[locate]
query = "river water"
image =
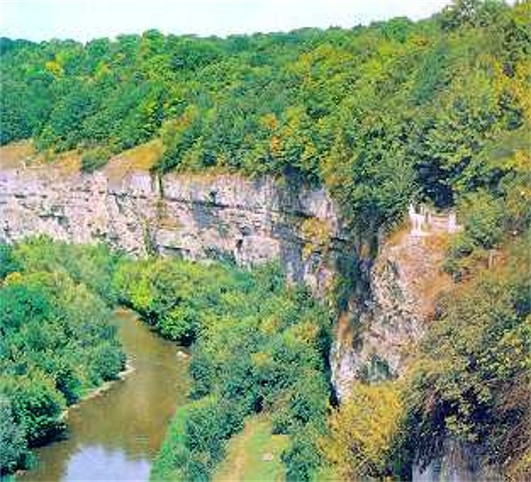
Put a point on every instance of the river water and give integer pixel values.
(116, 435)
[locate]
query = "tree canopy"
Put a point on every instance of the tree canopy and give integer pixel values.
(379, 114)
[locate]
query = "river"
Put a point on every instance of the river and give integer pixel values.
(115, 436)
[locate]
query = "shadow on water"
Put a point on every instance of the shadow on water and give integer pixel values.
(116, 436)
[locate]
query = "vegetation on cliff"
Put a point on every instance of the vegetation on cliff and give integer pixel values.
(378, 114)
(56, 339)
(471, 382)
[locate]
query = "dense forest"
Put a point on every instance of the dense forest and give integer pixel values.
(437, 111)
(56, 340)
(379, 114)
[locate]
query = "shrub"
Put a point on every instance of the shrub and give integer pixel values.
(362, 431)
(95, 159)
(483, 218)
(13, 444)
(37, 406)
(8, 263)
(106, 361)
(303, 457)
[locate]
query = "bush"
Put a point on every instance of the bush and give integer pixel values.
(8, 263)
(303, 457)
(13, 444)
(362, 431)
(196, 440)
(106, 361)
(483, 217)
(180, 324)
(95, 159)
(36, 405)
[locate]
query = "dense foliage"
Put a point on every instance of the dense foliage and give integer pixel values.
(56, 340)
(471, 382)
(258, 346)
(363, 432)
(378, 114)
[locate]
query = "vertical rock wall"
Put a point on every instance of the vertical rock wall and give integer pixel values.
(197, 217)
(377, 333)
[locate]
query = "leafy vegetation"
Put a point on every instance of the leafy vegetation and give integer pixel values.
(363, 431)
(94, 159)
(436, 110)
(258, 347)
(471, 382)
(56, 339)
(378, 114)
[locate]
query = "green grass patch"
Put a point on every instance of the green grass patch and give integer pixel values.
(254, 454)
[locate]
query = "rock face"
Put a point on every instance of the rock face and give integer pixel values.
(247, 221)
(196, 217)
(378, 331)
(459, 463)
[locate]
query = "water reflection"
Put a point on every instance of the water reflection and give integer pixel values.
(117, 435)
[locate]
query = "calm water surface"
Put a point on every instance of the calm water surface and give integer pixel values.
(116, 436)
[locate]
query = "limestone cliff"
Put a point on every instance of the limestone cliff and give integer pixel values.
(248, 221)
(223, 216)
(375, 336)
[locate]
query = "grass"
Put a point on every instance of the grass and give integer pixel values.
(254, 454)
(22, 155)
(12, 155)
(140, 158)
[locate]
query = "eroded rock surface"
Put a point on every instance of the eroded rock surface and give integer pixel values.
(224, 217)
(376, 335)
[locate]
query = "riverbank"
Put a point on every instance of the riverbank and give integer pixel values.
(102, 389)
(115, 431)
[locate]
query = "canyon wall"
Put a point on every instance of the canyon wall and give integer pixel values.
(244, 220)
(377, 333)
(196, 217)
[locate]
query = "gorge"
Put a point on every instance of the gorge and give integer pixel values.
(230, 217)
(248, 197)
(249, 222)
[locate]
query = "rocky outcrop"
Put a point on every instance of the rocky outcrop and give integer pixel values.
(247, 221)
(196, 217)
(458, 463)
(244, 220)
(375, 336)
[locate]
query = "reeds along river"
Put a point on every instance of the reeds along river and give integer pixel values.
(115, 436)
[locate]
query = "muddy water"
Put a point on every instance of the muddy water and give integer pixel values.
(115, 436)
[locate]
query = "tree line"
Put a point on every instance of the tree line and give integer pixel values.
(379, 114)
